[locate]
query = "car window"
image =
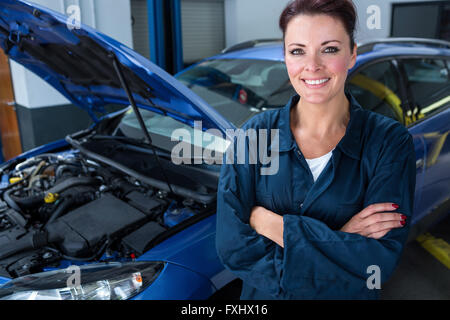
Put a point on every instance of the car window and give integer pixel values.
(429, 85)
(240, 88)
(376, 88)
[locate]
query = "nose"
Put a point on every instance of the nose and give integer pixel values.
(313, 63)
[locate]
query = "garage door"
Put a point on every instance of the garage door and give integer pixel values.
(203, 28)
(139, 20)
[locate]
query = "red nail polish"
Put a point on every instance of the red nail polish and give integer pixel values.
(404, 217)
(395, 206)
(403, 222)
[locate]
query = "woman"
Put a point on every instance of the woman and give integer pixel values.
(323, 226)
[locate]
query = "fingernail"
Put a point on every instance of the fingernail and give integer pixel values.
(404, 217)
(395, 206)
(402, 222)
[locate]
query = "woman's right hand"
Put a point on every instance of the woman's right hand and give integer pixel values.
(374, 221)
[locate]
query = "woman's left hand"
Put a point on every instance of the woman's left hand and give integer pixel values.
(268, 224)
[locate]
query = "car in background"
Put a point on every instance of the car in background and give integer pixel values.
(107, 214)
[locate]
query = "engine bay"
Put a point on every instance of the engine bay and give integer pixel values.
(83, 205)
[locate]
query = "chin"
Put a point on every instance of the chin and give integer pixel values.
(316, 98)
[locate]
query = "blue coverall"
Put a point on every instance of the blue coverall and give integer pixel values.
(374, 162)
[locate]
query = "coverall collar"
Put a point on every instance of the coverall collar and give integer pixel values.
(350, 143)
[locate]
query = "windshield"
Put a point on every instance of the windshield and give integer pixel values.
(167, 132)
(239, 88)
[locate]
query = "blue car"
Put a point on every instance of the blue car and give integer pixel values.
(115, 211)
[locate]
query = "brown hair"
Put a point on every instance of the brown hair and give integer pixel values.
(344, 10)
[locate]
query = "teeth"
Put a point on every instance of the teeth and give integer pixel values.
(316, 81)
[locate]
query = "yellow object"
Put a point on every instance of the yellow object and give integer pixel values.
(380, 91)
(436, 149)
(14, 179)
(439, 248)
(51, 197)
(436, 105)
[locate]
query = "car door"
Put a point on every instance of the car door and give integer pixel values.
(379, 87)
(428, 84)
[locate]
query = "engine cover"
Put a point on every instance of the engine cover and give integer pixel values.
(107, 216)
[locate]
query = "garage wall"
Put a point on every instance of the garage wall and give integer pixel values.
(252, 19)
(364, 32)
(257, 19)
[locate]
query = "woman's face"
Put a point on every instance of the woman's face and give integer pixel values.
(318, 56)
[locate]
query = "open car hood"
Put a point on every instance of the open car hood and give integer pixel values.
(77, 62)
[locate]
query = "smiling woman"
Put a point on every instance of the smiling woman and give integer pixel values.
(314, 229)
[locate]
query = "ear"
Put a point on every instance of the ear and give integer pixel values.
(353, 57)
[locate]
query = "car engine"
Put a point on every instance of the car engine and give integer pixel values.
(66, 206)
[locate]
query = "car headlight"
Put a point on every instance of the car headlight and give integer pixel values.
(101, 281)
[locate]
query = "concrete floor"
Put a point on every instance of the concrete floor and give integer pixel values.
(419, 274)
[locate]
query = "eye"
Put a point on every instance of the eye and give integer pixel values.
(331, 50)
(297, 52)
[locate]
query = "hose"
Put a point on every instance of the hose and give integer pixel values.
(11, 202)
(62, 207)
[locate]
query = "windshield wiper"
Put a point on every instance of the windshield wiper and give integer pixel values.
(132, 144)
(124, 84)
(120, 138)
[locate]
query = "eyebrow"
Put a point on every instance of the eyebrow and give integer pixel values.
(323, 43)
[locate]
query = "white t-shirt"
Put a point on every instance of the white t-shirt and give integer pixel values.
(316, 165)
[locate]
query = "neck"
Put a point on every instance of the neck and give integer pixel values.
(320, 120)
